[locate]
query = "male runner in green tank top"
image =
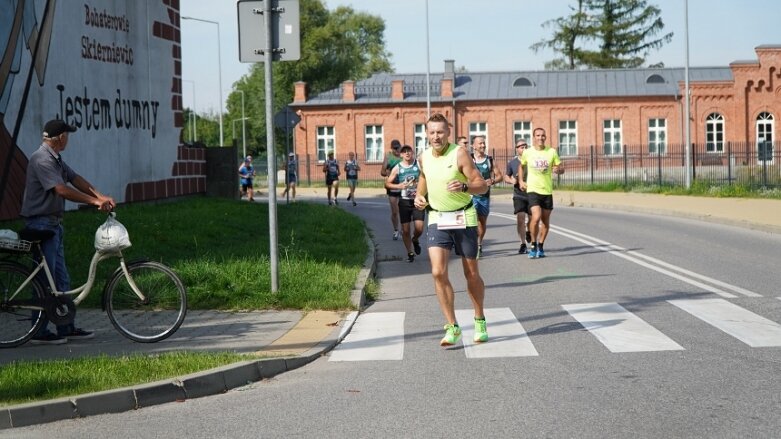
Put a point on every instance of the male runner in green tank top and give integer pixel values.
(449, 178)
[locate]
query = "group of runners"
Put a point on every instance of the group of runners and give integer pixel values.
(452, 186)
(530, 173)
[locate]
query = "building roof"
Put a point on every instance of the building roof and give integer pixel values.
(481, 86)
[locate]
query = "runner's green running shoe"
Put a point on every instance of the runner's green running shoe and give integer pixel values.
(481, 334)
(452, 335)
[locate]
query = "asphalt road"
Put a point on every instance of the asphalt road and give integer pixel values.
(699, 355)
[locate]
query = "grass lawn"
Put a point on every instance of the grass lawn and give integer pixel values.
(220, 249)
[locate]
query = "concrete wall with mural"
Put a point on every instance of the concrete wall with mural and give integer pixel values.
(112, 68)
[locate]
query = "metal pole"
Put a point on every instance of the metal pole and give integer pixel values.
(428, 71)
(219, 76)
(243, 126)
(688, 100)
(272, 177)
(287, 156)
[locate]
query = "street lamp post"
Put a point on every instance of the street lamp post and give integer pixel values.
(219, 69)
(687, 108)
(243, 125)
(428, 71)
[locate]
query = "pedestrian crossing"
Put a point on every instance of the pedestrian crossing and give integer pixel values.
(380, 336)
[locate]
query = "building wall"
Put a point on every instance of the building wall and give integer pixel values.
(756, 88)
(113, 69)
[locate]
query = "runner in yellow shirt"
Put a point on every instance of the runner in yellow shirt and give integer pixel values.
(448, 178)
(541, 162)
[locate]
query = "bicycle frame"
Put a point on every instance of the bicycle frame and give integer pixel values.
(82, 291)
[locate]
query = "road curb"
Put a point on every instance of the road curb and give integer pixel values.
(196, 385)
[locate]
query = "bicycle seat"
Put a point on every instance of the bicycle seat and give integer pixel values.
(34, 235)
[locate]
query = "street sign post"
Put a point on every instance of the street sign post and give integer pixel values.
(270, 27)
(285, 31)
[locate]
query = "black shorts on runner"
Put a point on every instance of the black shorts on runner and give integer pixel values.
(521, 204)
(464, 240)
(408, 212)
(330, 181)
(544, 201)
(393, 193)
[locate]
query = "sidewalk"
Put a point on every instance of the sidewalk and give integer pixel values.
(292, 339)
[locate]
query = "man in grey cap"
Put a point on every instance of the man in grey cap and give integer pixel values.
(49, 183)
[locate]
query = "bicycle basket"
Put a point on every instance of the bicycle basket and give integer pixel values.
(17, 245)
(111, 236)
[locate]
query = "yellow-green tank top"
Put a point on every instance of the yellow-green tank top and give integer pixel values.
(439, 171)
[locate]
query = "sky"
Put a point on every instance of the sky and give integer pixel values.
(480, 35)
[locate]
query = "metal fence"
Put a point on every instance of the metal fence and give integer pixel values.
(731, 163)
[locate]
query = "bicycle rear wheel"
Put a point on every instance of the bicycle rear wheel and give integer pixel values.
(161, 311)
(18, 321)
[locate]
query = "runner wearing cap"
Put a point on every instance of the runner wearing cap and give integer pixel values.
(247, 172)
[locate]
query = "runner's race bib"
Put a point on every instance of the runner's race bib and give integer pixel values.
(451, 220)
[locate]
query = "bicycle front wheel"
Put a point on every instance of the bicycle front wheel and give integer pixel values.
(18, 320)
(154, 314)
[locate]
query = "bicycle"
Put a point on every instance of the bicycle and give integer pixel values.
(144, 300)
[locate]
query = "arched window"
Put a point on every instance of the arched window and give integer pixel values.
(714, 133)
(523, 82)
(765, 124)
(655, 79)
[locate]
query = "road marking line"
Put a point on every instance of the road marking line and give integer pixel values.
(669, 273)
(374, 336)
(682, 270)
(620, 330)
(750, 328)
(663, 267)
(506, 336)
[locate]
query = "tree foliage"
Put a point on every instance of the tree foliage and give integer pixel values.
(605, 34)
(335, 46)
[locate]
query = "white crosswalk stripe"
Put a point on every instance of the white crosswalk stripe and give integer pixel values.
(374, 336)
(620, 330)
(750, 328)
(379, 336)
(506, 336)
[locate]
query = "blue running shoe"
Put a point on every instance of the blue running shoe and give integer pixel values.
(533, 253)
(540, 253)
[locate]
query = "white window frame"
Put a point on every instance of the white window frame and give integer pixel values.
(326, 141)
(421, 140)
(714, 133)
(522, 129)
(611, 137)
(373, 143)
(764, 128)
(657, 136)
(568, 138)
(478, 129)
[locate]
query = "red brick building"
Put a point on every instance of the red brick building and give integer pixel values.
(585, 112)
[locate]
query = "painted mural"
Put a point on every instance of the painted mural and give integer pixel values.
(112, 68)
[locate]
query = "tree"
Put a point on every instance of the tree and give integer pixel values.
(564, 40)
(335, 46)
(622, 30)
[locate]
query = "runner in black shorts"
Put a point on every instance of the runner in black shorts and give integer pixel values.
(515, 174)
(392, 158)
(406, 175)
